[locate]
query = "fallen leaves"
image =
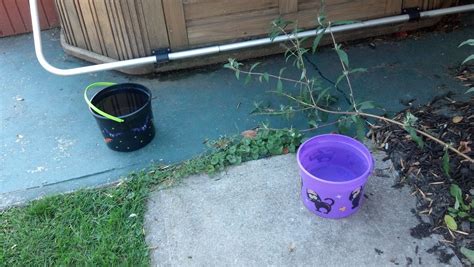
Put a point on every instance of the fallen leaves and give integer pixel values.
(464, 147)
(249, 134)
(457, 119)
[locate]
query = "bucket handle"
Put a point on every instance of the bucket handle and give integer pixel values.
(94, 108)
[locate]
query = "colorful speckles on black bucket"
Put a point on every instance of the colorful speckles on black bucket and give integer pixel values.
(132, 103)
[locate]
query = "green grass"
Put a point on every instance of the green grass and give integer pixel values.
(105, 226)
(90, 227)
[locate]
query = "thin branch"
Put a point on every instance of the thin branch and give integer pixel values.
(425, 134)
(345, 71)
(321, 126)
(269, 75)
(282, 112)
(368, 115)
(356, 112)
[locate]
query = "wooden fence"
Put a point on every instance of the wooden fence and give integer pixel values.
(124, 29)
(15, 16)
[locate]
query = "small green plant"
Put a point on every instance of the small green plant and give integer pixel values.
(308, 96)
(468, 253)
(460, 210)
(255, 144)
(319, 104)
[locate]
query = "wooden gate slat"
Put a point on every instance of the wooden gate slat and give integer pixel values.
(176, 23)
(288, 6)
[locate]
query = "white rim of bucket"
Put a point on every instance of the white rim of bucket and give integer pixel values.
(364, 149)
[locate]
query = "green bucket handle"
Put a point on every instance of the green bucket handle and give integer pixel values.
(94, 108)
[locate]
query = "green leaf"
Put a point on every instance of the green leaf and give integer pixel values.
(232, 159)
(366, 105)
(232, 149)
(360, 127)
(312, 124)
(281, 71)
(279, 86)
(322, 95)
(469, 58)
(467, 42)
(410, 119)
(254, 66)
(342, 55)
(456, 204)
(303, 74)
(469, 254)
(344, 125)
(266, 76)
(214, 160)
(317, 40)
(450, 222)
(452, 210)
(462, 214)
(471, 90)
(446, 167)
(465, 207)
(304, 39)
(358, 70)
(414, 136)
(247, 79)
(230, 64)
(255, 156)
(339, 79)
(292, 148)
(455, 191)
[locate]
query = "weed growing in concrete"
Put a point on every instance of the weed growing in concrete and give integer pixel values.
(460, 209)
(317, 103)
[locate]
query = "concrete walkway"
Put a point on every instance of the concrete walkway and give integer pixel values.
(251, 215)
(49, 142)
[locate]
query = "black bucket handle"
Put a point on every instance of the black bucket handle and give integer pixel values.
(94, 108)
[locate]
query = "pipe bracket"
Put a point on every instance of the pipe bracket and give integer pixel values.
(161, 55)
(413, 13)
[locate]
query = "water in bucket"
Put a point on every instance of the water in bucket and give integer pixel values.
(337, 164)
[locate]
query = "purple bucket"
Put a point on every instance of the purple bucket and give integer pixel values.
(334, 169)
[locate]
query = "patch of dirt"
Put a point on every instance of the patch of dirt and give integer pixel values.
(465, 74)
(440, 251)
(422, 169)
(420, 231)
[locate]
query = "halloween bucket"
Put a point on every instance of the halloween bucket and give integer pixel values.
(123, 113)
(334, 169)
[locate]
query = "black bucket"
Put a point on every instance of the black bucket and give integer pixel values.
(123, 113)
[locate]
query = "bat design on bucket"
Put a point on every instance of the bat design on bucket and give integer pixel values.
(143, 127)
(355, 197)
(110, 134)
(318, 203)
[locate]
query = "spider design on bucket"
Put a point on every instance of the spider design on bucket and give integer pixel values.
(355, 197)
(318, 203)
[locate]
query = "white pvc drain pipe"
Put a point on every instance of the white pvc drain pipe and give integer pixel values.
(222, 48)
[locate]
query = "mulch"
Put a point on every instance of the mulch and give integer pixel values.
(421, 169)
